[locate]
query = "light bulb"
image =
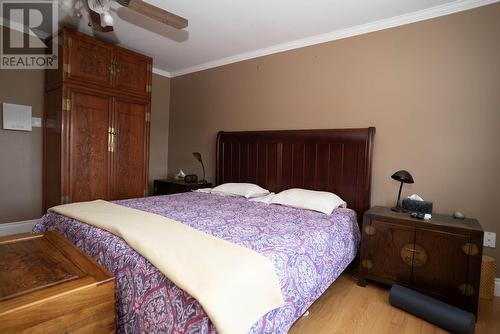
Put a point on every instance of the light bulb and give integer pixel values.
(106, 20)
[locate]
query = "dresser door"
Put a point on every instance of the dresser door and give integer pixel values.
(88, 156)
(442, 268)
(381, 257)
(130, 158)
(133, 73)
(87, 60)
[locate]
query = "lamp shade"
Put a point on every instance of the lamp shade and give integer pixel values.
(402, 176)
(197, 155)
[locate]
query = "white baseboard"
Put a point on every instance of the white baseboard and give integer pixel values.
(17, 227)
(497, 287)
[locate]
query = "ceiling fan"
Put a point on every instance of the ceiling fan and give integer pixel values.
(101, 19)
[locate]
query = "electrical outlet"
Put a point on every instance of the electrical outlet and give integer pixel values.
(489, 239)
(36, 122)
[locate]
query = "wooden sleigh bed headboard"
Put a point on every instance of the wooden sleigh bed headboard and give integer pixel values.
(336, 160)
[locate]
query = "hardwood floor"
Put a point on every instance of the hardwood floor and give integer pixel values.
(348, 308)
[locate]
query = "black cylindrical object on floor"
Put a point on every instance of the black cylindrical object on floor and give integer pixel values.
(446, 316)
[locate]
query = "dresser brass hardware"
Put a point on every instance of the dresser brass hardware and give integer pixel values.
(68, 41)
(112, 143)
(113, 68)
(470, 249)
(110, 149)
(414, 255)
(65, 199)
(367, 263)
(148, 88)
(370, 230)
(466, 289)
(66, 105)
(67, 68)
(111, 139)
(148, 117)
(418, 262)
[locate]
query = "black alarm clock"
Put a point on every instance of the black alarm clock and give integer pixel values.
(191, 178)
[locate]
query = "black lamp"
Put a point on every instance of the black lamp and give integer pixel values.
(404, 177)
(197, 155)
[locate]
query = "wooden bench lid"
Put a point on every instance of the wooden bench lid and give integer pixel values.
(31, 262)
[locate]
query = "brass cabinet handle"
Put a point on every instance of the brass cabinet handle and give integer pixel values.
(414, 255)
(111, 139)
(113, 67)
(112, 142)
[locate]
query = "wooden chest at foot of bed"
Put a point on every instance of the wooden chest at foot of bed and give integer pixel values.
(47, 285)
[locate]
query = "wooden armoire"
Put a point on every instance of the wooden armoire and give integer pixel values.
(96, 122)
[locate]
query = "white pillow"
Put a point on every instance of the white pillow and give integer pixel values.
(264, 199)
(203, 190)
(321, 201)
(249, 190)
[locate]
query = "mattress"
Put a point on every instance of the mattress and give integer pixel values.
(309, 250)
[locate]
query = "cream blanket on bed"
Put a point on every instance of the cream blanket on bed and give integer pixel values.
(235, 285)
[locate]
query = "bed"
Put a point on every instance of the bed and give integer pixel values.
(309, 250)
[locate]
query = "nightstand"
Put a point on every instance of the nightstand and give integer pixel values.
(172, 186)
(440, 257)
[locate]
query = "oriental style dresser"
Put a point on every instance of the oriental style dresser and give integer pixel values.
(47, 285)
(440, 257)
(96, 122)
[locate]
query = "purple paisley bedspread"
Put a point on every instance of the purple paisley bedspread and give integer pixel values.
(309, 251)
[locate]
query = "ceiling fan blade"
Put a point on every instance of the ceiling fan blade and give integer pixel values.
(95, 22)
(155, 13)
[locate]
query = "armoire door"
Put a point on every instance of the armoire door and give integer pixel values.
(132, 72)
(88, 158)
(130, 158)
(87, 60)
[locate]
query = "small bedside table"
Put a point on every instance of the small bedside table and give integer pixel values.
(172, 186)
(440, 257)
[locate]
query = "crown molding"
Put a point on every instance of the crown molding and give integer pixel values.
(161, 72)
(421, 15)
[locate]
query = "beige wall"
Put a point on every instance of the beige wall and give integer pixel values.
(158, 153)
(432, 90)
(21, 152)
